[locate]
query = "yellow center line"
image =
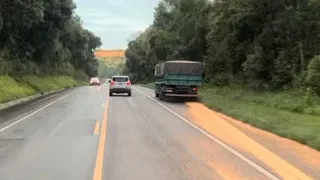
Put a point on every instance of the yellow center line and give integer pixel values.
(102, 141)
(97, 128)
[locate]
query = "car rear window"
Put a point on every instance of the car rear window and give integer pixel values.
(94, 79)
(120, 79)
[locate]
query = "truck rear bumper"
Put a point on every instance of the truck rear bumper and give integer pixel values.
(120, 90)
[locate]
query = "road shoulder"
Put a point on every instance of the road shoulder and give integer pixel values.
(299, 155)
(21, 108)
(292, 159)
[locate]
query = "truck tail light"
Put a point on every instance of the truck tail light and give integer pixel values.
(128, 83)
(195, 89)
(112, 83)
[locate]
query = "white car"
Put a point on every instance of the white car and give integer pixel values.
(120, 84)
(95, 81)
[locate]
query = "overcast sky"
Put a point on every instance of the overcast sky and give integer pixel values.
(115, 21)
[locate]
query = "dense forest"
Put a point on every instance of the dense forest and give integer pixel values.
(261, 44)
(44, 38)
(109, 66)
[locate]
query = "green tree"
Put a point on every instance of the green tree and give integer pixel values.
(178, 32)
(259, 43)
(45, 37)
(313, 75)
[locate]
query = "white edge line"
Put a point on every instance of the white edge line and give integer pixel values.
(33, 113)
(222, 144)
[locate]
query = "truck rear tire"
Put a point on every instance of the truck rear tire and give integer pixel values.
(156, 95)
(162, 96)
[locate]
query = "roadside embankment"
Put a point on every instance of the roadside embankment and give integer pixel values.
(16, 88)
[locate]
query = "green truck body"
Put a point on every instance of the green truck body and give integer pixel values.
(178, 78)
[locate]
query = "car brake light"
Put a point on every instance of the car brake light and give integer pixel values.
(112, 83)
(195, 89)
(128, 83)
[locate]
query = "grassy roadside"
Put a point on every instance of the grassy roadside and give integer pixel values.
(282, 113)
(12, 88)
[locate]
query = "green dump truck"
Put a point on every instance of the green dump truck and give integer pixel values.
(178, 78)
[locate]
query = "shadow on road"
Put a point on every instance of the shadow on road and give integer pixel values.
(174, 100)
(120, 95)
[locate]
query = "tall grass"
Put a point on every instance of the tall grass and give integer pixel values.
(283, 113)
(13, 88)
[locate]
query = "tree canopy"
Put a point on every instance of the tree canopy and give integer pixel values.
(45, 37)
(112, 65)
(259, 43)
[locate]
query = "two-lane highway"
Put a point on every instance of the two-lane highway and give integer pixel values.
(83, 134)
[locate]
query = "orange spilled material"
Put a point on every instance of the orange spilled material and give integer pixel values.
(217, 126)
(301, 152)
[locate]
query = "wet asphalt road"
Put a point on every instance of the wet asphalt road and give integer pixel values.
(83, 134)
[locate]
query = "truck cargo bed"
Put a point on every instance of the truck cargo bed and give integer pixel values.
(180, 80)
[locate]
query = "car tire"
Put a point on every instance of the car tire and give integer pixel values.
(129, 93)
(110, 93)
(156, 95)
